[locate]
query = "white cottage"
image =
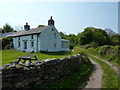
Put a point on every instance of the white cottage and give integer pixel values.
(45, 38)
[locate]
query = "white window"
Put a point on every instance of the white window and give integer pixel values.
(18, 43)
(32, 37)
(54, 44)
(18, 38)
(25, 45)
(32, 44)
(64, 44)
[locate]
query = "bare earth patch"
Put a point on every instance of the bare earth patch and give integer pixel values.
(96, 78)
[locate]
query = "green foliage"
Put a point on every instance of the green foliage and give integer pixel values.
(91, 34)
(6, 41)
(76, 79)
(116, 39)
(107, 52)
(7, 28)
(77, 50)
(110, 77)
(71, 37)
(41, 25)
(91, 45)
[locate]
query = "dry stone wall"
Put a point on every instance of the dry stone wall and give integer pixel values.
(28, 76)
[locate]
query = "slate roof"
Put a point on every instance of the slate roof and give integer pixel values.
(29, 32)
(6, 34)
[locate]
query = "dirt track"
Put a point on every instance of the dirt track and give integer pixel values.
(96, 78)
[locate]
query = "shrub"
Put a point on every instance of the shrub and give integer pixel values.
(6, 42)
(91, 45)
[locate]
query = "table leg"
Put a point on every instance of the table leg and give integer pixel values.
(24, 61)
(30, 61)
(35, 57)
(18, 61)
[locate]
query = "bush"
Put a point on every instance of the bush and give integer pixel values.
(6, 42)
(91, 45)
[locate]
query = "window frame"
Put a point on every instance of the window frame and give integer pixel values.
(25, 44)
(19, 44)
(55, 45)
(32, 36)
(32, 43)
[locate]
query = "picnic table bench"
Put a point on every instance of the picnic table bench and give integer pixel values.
(24, 58)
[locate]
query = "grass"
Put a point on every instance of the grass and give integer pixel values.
(94, 51)
(110, 77)
(76, 79)
(11, 55)
(0, 58)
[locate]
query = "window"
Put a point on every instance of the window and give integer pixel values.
(18, 38)
(54, 35)
(25, 45)
(19, 44)
(32, 37)
(54, 44)
(64, 44)
(52, 29)
(32, 43)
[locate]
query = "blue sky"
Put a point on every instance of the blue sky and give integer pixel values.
(69, 17)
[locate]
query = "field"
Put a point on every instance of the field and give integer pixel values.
(11, 55)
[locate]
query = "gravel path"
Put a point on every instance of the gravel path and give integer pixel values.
(115, 68)
(96, 78)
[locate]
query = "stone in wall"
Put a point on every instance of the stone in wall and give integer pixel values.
(41, 72)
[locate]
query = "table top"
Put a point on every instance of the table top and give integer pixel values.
(27, 56)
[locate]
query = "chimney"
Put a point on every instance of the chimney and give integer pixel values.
(26, 27)
(51, 21)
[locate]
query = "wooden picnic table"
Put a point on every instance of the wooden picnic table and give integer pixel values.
(27, 57)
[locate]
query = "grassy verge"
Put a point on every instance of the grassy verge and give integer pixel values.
(107, 57)
(11, 55)
(110, 77)
(76, 79)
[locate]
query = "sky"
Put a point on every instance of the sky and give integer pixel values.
(69, 17)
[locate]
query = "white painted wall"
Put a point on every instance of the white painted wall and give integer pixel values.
(47, 40)
(28, 39)
(43, 41)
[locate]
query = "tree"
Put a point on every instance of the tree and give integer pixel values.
(73, 40)
(41, 25)
(0, 30)
(96, 35)
(110, 32)
(7, 28)
(19, 28)
(116, 39)
(63, 35)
